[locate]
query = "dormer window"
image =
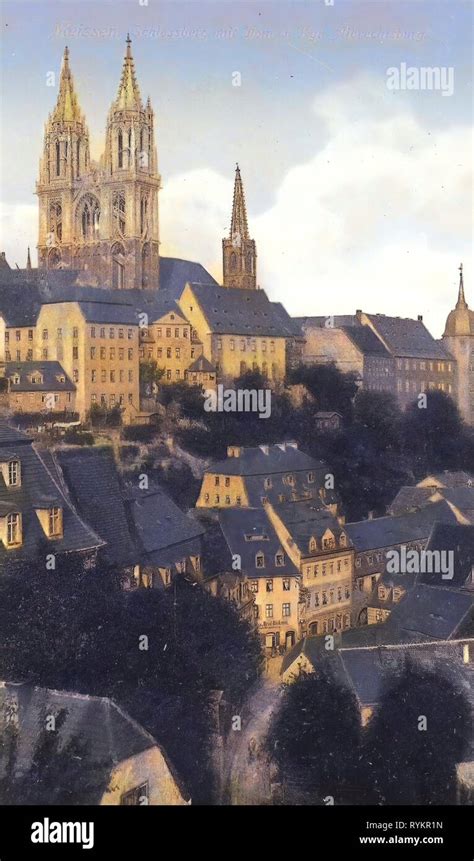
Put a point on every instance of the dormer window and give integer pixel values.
(13, 530)
(382, 593)
(329, 542)
(14, 479)
(310, 477)
(279, 560)
(342, 539)
(260, 560)
(15, 379)
(267, 483)
(312, 544)
(55, 524)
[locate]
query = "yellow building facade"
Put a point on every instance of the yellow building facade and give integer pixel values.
(97, 345)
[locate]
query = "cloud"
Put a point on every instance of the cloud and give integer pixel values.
(19, 228)
(378, 218)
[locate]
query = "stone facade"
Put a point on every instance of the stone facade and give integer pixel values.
(101, 218)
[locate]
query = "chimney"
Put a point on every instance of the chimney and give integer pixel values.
(420, 318)
(264, 448)
(466, 657)
(370, 515)
(359, 314)
(234, 450)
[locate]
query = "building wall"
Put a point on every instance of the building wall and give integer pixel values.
(103, 376)
(228, 352)
(462, 349)
(168, 342)
(327, 576)
(329, 344)
(19, 343)
(273, 618)
(222, 491)
(148, 766)
(413, 376)
(32, 402)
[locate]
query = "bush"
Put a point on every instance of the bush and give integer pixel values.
(129, 452)
(139, 433)
(75, 437)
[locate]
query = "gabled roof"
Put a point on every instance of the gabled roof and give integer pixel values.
(460, 541)
(368, 670)
(203, 365)
(51, 373)
(407, 338)
(161, 531)
(247, 532)
(93, 483)
(430, 613)
(392, 530)
(307, 519)
(266, 460)
(176, 273)
(38, 489)
(366, 341)
(242, 312)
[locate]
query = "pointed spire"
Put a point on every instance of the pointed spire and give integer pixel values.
(461, 303)
(128, 96)
(67, 106)
(239, 225)
(28, 259)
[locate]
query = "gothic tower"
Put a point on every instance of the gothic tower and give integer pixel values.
(459, 340)
(238, 250)
(101, 218)
(63, 166)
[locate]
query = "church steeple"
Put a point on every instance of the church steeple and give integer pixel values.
(28, 260)
(239, 250)
(67, 108)
(128, 96)
(461, 303)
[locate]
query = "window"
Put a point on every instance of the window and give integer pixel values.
(13, 529)
(75, 353)
(232, 344)
(93, 376)
(14, 473)
(178, 352)
(312, 544)
(138, 795)
(279, 560)
(120, 333)
(269, 611)
(268, 585)
(112, 376)
(44, 353)
(254, 585)
(286, 585)
(45, 335)
(130, 376)
(103, 376)
(92, 352)
(260, 561)
(255, 611)
(121, 354)
(168, 333)
(54, 521)
(286, 610)
(325, 597)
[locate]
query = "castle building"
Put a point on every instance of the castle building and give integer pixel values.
(239, 252)
(101, 218)
(458, 338)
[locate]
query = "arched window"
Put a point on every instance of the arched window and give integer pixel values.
(120, 148)
(129, 147)
(55, 221)
(54, 259)
(144, 215)
(233, 262)
(89, 217)
(119, 212)
(78, 159)
(312, 544)
(13, 529)
(58, 158)
(118, 266)
(249, 263)
(146, 264)
(260, 560)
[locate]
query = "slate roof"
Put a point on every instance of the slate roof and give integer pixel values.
(410, 498)
(247, 532)
(460, 540)
(234, 311)
(311, 648)
(38, 489)
(430, 613)
(93, 483)
(407, 338)
(366, 341)
(281, 458)
(163, 533)
(367, 670)
(108, 312)
(392, 530)
(306, 519)
(37, 287)
(139, 526)
(110, 734)
(449, 478)
(201, 364)
(50, 372)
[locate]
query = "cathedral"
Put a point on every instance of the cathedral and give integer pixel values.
(101, 218)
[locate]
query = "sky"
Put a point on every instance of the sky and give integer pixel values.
(358, 195)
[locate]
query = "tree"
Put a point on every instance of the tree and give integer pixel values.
(421, 730)
(332, 389)
(72, 629)
(434, 435)
(314, 739)
(150, 376)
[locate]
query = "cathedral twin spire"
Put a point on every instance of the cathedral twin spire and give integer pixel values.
(67, 108)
